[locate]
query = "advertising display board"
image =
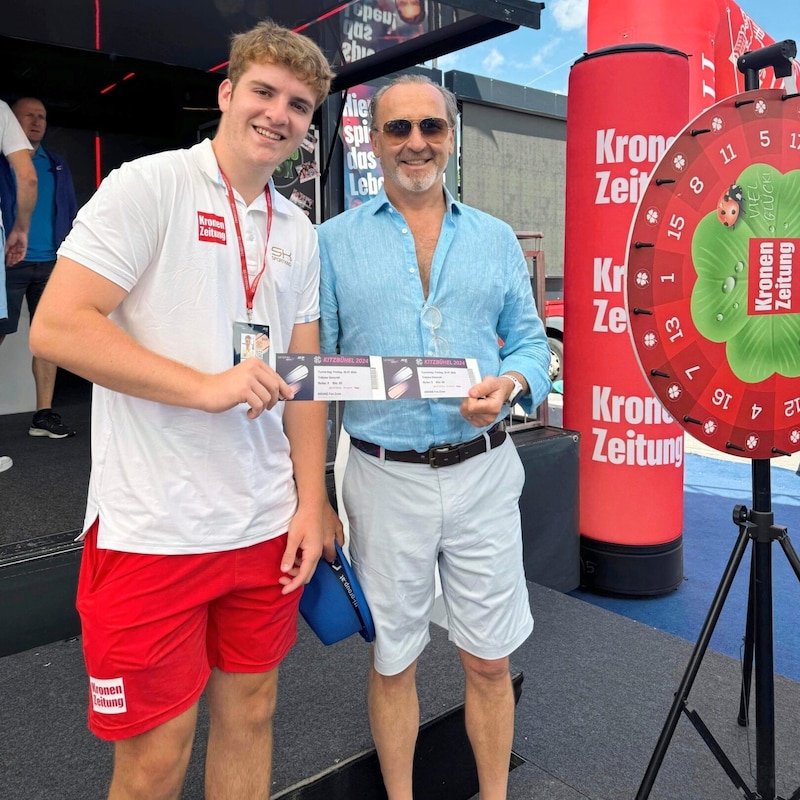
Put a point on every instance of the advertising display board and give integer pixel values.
(298, 178)
(630, 504)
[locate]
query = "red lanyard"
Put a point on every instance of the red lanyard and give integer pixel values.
(249, 288)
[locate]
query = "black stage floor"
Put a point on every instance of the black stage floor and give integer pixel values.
(596, 686)
(596, 691)
(44, 493)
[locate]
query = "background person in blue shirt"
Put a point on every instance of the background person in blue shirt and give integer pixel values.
(52, 219)
(412, 272)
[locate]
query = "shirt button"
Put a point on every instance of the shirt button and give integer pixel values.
(404, 230)
(412, 270)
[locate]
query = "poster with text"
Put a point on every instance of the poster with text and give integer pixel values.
(363, 176)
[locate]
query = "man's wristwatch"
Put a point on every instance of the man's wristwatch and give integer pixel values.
(516, 392)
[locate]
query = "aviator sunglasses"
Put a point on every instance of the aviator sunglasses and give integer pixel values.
(433, 129)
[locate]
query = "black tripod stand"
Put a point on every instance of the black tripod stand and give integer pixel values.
(755, 525)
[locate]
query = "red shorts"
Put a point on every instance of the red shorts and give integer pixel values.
(154, 626)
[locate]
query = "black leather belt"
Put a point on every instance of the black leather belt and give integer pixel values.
(439, 456)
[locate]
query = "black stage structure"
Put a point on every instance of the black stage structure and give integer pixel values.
(144, 65)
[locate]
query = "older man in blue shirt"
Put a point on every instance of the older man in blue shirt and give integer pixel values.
(413, 272)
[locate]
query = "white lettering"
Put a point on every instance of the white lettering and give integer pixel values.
(603, 279)
(608, 407)
(620, 190)
(636, 450)
(774, 290)
(609, 319)
(613, 148)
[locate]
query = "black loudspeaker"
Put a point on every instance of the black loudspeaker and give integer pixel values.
(549, 506)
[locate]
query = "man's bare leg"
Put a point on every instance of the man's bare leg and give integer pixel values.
(44, 376)
(152, 765)
(489, 714)
(239, 759)
(394, 719)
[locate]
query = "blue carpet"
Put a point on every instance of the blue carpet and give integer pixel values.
(712, 487)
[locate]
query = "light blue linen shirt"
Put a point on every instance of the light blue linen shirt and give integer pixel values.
(371, 303)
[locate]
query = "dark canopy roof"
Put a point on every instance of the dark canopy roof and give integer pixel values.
(139, 66)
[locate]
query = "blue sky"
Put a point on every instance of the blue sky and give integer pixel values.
(542, 59)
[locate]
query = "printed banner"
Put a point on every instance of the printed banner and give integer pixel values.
(631, 465)
(363, 176)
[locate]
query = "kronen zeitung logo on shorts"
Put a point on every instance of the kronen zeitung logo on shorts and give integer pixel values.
(108, 696)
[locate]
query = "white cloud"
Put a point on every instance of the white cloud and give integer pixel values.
(541, 55)
(447, 61)
(493, 61)
(570, 15)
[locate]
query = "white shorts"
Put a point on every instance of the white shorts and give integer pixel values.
(406, 518)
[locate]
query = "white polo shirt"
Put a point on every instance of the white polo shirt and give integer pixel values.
(176, 480)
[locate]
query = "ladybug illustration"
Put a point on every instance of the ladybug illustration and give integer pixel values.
(729, 207)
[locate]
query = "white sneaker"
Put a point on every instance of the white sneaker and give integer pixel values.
(5, 463)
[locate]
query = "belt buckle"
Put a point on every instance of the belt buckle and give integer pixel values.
(444, 456)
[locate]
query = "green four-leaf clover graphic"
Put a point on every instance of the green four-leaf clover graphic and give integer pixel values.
(757, 346)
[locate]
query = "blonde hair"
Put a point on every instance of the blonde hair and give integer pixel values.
(272, 43)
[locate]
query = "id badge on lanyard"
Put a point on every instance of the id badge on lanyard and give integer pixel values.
(250, 340)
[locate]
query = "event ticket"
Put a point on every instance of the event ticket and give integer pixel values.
(336, 377)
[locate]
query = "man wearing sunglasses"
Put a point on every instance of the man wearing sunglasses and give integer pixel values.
(412, 272)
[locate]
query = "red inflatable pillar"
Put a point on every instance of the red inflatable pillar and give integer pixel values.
(625, 104)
